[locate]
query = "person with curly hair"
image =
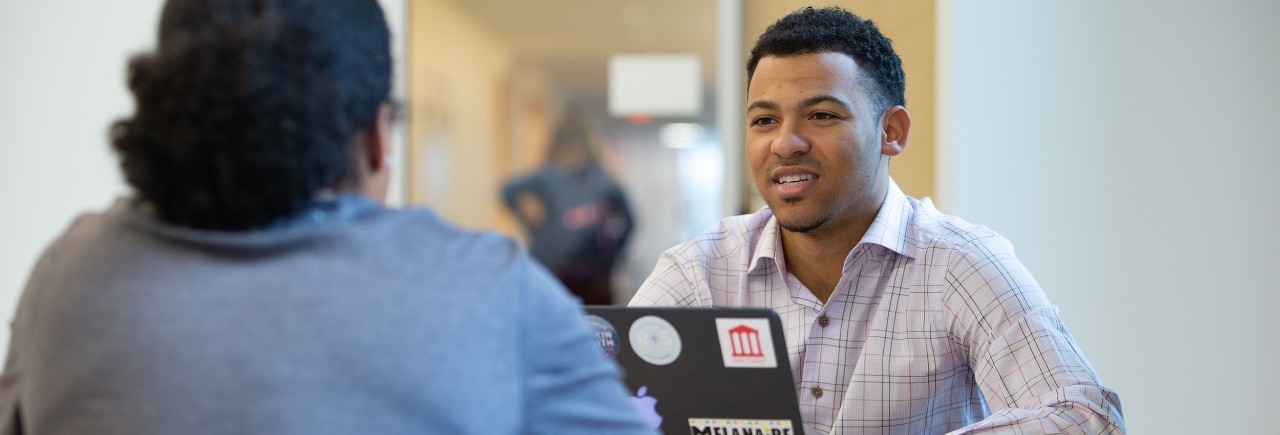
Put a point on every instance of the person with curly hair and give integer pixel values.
(255, 284)
(898, 318)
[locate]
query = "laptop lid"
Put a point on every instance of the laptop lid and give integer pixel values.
(702, 371)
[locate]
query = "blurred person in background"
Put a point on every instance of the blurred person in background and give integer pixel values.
(575, 215)
(254, 284)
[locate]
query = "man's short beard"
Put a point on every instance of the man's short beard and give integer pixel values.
(810, 226)
(801, 227)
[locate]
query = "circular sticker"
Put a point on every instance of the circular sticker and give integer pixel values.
(605, 333)
(654, 340)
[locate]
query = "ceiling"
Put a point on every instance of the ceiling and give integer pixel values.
(570, 41)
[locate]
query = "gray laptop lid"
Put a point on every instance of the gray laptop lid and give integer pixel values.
(703, 370)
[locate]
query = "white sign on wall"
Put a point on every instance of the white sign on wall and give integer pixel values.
(655, 85)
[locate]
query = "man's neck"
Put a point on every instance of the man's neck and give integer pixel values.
(816, 257)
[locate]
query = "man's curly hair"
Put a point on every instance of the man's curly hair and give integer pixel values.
(248, 108)
(836, 30)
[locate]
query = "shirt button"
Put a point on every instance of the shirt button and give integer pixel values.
(817, 392)
(824, 321)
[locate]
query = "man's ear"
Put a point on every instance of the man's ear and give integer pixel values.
(895, 125)
(377, 152)
(378, 139)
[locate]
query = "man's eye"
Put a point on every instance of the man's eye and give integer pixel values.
(821, 115)
(763, 121)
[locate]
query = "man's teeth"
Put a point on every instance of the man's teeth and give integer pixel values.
(794, 178)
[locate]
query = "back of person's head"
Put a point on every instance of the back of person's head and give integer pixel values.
(572, 140)
(248, 108)
(836, 30)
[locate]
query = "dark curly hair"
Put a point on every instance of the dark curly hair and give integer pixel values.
(247, 108)
(836, 30)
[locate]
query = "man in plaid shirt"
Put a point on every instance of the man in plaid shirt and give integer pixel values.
(898, 318)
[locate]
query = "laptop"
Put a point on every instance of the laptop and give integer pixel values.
(702, 371)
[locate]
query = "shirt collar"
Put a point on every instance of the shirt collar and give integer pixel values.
(340, 206)
(769, 242)
(892, 225)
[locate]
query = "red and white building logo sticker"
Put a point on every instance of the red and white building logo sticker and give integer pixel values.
(746, 342)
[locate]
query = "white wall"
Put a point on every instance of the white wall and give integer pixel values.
(62, 83)
(62, 68)
(1129, 149)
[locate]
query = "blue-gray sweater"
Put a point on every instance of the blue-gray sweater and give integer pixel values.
(351, 319)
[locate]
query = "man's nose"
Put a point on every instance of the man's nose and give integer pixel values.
(790, 141)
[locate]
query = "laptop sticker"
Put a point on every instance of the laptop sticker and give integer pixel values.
(605, 333)
(746, 343)
(654, 340)
(723, 426)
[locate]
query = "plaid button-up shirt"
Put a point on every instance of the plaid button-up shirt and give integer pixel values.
(934, 326)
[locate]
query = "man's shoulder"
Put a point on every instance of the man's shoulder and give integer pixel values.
(420, 232)
(936, 230)
(981, 278)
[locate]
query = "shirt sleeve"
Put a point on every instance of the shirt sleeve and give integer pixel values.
(570, 388)
(11, 381)
(667, 286)
(1031, 372)
(511, 194)
(10, 387)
